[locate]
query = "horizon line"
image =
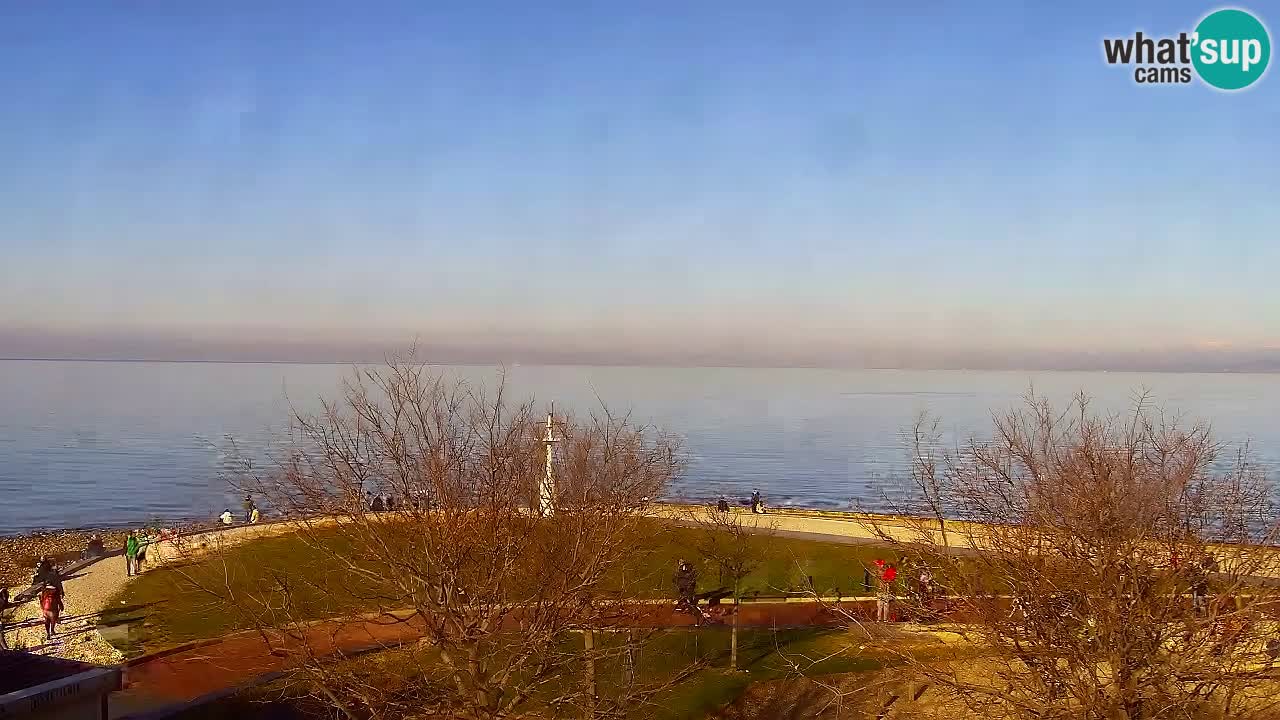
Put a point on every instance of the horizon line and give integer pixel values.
(676, 366)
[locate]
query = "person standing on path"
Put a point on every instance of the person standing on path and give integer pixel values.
(131, 553)
(884, 601)
(144, 541)
(51, 607)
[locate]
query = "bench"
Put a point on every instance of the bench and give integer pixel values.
(715, 596)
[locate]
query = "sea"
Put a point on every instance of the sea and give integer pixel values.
(104, 444)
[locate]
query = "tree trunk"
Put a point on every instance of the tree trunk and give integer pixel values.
(630, 661)
(733, 633)
(589, 679)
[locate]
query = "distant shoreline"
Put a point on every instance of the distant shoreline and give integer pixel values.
(655, 366)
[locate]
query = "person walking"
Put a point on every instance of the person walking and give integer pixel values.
(248, 507)
(686, 582)
(51, 607)
(924, 589)
(1200, 584)
(145, 540)
(4, 612)
(885, 599)
(722, 505)
(756, 502)
(47, 573)
(131, 553)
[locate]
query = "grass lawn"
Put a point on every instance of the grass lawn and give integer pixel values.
(764, 655)
(167, 606)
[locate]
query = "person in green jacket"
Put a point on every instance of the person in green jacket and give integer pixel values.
(131, 553)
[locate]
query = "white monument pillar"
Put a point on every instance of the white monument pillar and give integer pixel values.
(547, 490)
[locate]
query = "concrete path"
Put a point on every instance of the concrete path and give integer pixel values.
(202, 671)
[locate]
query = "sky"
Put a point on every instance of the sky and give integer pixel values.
(928, 184)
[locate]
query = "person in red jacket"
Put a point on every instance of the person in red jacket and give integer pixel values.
(51, 606)
(884, 600)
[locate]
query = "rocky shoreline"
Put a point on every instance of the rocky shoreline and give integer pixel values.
(19, 553)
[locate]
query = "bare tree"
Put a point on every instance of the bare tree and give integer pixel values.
(1098, 566)
(736, 548)
(463, 560)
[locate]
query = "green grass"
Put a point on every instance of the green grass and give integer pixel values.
(763, 655)
(172, 605)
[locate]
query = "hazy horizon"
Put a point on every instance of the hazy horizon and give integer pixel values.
(191, 350)
(743, 184)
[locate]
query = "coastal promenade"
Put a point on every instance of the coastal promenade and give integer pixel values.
(91, 586)
(820, 525)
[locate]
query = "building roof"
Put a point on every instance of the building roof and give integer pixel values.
(36, 684)
(21, 670)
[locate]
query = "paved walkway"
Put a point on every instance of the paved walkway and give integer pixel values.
(200, 671)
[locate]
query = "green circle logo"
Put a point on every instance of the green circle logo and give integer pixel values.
(1232, 49)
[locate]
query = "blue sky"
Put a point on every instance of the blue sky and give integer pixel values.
(749, 182)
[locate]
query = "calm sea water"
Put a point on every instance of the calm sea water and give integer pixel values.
(107, 443)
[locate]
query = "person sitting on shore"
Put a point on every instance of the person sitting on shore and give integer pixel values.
(226, 517)
(95, 548)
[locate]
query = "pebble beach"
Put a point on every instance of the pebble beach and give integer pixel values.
(87, 592)
(19, 553)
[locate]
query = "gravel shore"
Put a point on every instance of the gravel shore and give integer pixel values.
(18, 554)
(86, 593)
